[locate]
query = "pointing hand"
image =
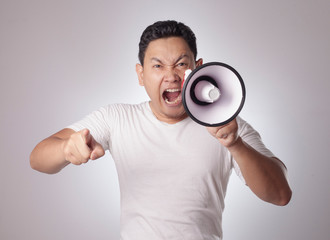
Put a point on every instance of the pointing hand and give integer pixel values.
(81, 146)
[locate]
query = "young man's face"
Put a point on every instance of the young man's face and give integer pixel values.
(165, 62)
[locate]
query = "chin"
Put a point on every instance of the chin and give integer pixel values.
(178, 113)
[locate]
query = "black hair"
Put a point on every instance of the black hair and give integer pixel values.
(165, 29)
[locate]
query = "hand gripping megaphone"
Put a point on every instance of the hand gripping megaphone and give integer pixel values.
(213, 94)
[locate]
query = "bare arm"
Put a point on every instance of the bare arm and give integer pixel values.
(265, 176)
(65, 147)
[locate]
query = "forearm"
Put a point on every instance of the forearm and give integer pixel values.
(265, 176)
(48, 155)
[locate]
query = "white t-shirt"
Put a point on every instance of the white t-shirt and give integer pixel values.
(173, 177)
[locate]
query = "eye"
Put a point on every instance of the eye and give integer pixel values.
(182, 64)
(156, 66)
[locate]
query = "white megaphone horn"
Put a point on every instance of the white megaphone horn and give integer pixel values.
(213, 94)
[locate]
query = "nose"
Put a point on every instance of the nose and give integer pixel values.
(171, 75)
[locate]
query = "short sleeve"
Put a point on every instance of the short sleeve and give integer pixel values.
(98, 125)
(253, 138)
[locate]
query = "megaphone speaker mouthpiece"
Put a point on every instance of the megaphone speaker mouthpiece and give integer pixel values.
(206, 92)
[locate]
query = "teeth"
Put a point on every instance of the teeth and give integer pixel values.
(172, 90)
(174, 102)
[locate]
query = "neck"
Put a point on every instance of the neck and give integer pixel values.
(167, 118)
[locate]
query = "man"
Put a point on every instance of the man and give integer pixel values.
(173, 173)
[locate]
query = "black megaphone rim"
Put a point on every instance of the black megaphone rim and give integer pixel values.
(184, 88)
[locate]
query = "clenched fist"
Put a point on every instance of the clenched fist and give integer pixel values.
(226, 134)
(80, 147)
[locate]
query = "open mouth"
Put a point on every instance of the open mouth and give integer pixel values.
(172, 96)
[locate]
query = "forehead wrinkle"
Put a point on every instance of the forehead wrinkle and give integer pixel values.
(182, 56)
(154, 59)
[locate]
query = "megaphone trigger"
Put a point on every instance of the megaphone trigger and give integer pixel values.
(185, 76)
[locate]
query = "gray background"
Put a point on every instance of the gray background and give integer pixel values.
(59, 60)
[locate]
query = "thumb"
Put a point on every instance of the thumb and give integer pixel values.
(97, 150)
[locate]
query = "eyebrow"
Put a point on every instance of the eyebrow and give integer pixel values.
(179, 58)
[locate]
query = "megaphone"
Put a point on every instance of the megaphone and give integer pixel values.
(213, 94)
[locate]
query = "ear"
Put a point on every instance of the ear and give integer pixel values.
(139, 72)
(199, 62)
